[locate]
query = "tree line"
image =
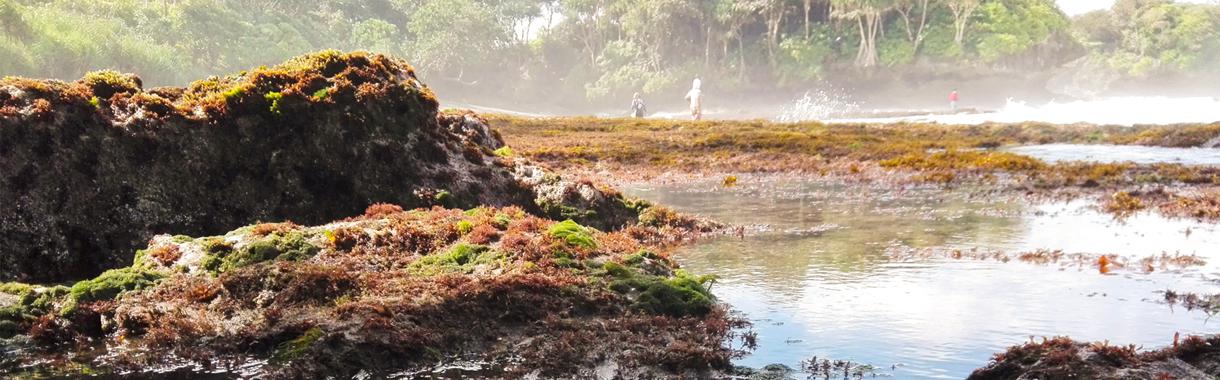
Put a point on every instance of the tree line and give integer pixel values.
(595, 50)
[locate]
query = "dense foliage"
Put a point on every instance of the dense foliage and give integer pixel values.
(594, 50)
(1142, 37)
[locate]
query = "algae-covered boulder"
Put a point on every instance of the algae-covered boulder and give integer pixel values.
(389, 292)
(1193, 357)
(90, 170)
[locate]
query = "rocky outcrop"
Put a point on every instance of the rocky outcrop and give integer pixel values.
(388, 292)
(1061, 358)
(90, 170)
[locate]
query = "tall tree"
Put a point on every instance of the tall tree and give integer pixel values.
(914, 15)
(735, 15)
(962, 10)
(869, 17)
(586, 15)
(774, 11)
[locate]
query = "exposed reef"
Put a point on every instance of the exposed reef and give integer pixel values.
(90, 170)
(390, 291)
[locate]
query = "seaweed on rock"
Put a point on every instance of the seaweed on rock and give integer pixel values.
(316, 138)
(395, 290)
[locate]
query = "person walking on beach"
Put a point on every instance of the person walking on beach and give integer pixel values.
(953, 100)
(695, 96)
(638, 109)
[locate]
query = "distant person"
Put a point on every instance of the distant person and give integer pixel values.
(638, 109)
(695, 96)
(953, 100)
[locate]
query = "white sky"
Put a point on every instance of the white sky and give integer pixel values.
(1075, 7)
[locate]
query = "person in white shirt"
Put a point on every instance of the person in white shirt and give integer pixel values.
(695, 96)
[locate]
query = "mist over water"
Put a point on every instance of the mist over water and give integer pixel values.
(1134, 110)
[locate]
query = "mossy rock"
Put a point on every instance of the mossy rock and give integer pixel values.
(108, 286)
(297, 348)
(104, 84)
(677, 296)
(16, 288)
(560, 211)
(45, 300)
(292, 246)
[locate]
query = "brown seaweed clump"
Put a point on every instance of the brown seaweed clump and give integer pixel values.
(90, 170)
(1062, 358)
(387, 292)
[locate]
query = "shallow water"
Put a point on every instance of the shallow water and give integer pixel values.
(1120, 153)
(821, 273)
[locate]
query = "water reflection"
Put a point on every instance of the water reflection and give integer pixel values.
(838, 294)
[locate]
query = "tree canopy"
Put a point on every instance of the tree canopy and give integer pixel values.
(593, 50)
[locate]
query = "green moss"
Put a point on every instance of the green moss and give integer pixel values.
(573, 234)
(328, 62)
(106, 83)
(290, 246)
(616, 269)
(234, 93)
(678, 296)
(8, 329)
(45, 300)
(658, 216)
(640, 257)
(556, 210)
(274, 99)
(464, 227)
(95, 102)
(460, 254)
(639, 205)
(444, 198)
(215, 249)
(109, 285)
(461, 258)
(14, 313)
(16, 288)
(502, 220)
(297, 348)
(504, 151)
(321, 94)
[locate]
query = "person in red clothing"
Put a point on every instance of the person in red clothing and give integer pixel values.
(953, 100)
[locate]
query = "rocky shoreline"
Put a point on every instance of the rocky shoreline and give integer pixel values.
(322, 217)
